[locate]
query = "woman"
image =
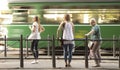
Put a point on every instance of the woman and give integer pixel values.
(95, 34)
(67, 26)
(36, 29)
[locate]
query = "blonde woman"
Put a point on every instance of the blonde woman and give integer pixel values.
(95, 35)
(36, 29)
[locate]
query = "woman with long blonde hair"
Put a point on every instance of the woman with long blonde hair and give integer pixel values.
(36, 29)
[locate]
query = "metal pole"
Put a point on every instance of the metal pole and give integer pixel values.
(113, 46)
(86, 52)
(53, 53)
(26, 47)
(5, 53)
(119, 56)
(48, 53)
(21, 52)
(119, 51)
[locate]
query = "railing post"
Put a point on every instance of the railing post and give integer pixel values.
(119, 56)
(21, 52)
(48, 51)
(119, 50)
(86, 52)
(114, 46)
(5, 53)
(53, 53)
(26, 47)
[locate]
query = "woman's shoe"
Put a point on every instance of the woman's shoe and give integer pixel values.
(69, 65)
(34, 62)
(66, 65)
(97, 66)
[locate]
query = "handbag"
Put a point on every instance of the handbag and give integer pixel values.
(62, 41)
(90, 44)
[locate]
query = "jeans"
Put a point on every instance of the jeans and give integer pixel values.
(34, 48)
(67, 48)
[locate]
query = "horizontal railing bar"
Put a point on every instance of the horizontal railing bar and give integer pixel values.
(59, 58)
(38, 39)
(83, 39)
(76, 39)
(105, 39)
(10, 39)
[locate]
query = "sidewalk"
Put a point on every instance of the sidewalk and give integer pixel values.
(46, 64)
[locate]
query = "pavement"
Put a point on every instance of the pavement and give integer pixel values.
(12, 62)
(45, 63)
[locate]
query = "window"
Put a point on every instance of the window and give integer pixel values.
(82, 16)
(5, 16)
(54, 16)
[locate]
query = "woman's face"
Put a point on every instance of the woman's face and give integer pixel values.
(92, 22)
(34, 19)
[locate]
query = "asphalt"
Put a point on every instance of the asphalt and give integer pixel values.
(12, 62)
(45, 63)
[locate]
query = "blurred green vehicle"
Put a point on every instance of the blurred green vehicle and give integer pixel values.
(51, 14)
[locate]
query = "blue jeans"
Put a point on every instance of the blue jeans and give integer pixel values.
(67, 48)
(34, 48)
